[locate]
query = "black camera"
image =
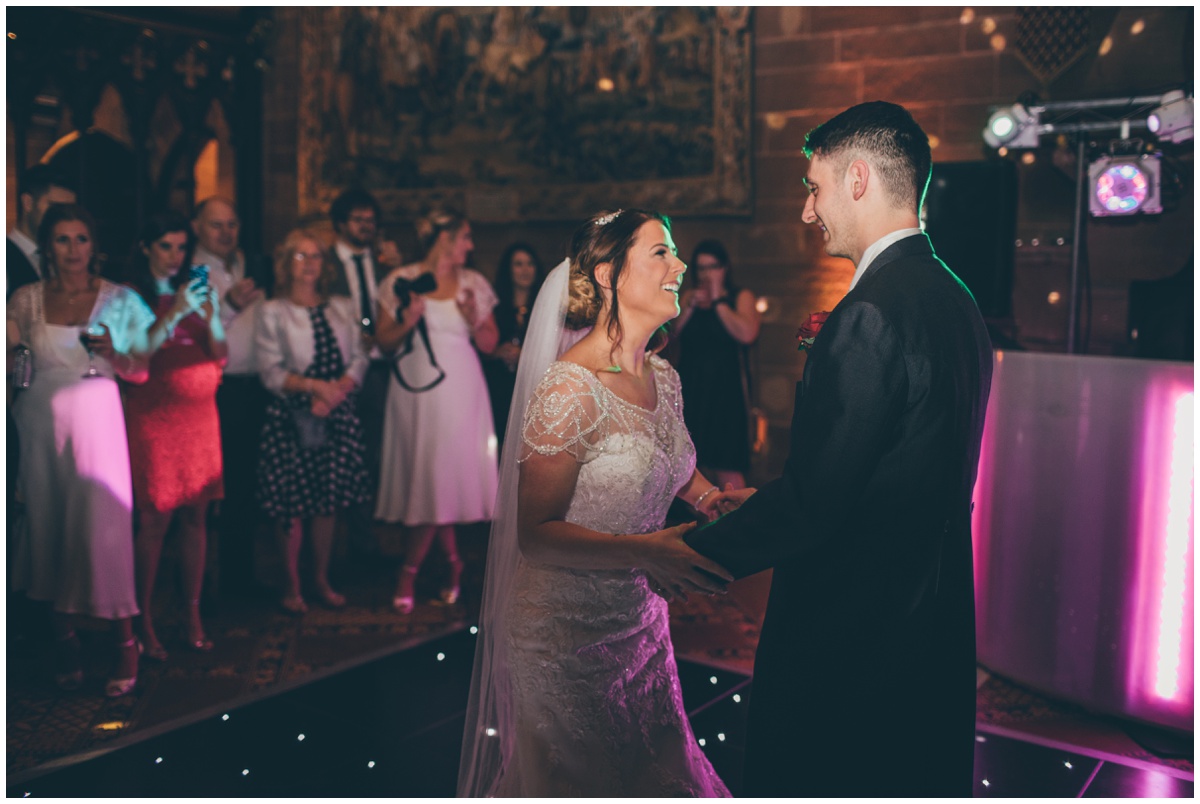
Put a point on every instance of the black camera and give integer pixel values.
(198, 272)
(405, 288)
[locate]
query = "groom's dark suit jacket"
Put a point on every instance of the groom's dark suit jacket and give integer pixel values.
(864, 682)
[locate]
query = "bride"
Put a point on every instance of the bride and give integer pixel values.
(575, 690)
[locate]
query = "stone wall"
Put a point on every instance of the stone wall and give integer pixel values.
(947, 65)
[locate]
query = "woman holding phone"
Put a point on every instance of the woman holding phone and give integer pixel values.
(174, 435)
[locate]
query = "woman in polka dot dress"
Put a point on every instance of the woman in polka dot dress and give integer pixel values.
(311, 355)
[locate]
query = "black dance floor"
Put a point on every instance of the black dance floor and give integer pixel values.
(393, 728)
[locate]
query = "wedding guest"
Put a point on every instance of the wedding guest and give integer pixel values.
(718, 320)
(241, 399)
(174, 435)
(440, 466)
(74, 549)
(37, 188)
(361, 258)
(519, 276)
(311, 358)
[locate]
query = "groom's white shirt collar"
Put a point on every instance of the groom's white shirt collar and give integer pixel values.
(877, 248)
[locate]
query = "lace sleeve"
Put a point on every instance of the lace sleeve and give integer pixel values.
(20, 309)
(670, 383)
(566, 413)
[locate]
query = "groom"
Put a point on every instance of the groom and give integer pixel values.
(864, 682)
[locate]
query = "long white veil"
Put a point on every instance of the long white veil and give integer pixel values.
(489, 732)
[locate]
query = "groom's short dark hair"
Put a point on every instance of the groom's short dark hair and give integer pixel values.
(886, 132)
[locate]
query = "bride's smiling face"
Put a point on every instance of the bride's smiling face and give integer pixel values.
(649, 283)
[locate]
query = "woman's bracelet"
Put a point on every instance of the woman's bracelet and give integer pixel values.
(700, 499)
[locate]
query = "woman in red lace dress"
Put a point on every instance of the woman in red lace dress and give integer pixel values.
(174, 437)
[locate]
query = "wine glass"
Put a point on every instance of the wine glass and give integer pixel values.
(85, 337)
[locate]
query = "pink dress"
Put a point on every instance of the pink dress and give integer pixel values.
(174, 436)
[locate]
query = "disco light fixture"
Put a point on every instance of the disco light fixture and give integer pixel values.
(1125, 185)
(1173, 120)
(1012, 127)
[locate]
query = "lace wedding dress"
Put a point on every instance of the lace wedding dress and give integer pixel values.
(596, 704)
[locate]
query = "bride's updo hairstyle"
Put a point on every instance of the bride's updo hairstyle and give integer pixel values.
(431, 225)
(606, 237)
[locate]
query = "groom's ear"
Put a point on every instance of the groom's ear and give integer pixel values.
(857, 176)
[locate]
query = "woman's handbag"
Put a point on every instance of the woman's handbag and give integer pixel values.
(22, 372)
(311, 430)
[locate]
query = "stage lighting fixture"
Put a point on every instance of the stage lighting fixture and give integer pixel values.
(1013, 126)
(1172, 121)
(1125, 185)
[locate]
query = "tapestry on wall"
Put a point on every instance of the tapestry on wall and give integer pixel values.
(527, 113)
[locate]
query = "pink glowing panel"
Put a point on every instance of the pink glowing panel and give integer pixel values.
(1161, 664)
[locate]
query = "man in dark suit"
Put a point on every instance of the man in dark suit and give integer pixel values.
(241, 399)
(39, 187)
(364, 260)
(864, 681)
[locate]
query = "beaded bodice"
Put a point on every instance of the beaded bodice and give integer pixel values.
(633, 460)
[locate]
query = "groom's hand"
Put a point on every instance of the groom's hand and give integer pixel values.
(674, 570)
(730, 499)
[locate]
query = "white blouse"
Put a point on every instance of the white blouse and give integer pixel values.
(284, 342)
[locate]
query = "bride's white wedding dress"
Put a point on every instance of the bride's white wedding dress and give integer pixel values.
(596, 703)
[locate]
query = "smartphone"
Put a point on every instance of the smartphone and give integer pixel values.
(199, 272)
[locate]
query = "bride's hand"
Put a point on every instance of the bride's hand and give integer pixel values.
(674, 570)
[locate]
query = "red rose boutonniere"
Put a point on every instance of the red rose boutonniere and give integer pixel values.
(809, 329)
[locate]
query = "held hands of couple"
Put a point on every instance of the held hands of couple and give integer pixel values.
(674, 570)
(728, 499)
(716, 502)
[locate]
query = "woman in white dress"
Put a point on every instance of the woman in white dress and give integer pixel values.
(74, 545)
(438, 466)
(576, 690)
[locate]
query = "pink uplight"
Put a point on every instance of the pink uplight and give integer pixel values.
(1161, 664)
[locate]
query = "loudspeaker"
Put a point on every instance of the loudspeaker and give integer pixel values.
(971, 219)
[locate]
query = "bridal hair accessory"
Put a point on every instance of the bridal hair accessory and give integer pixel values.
(605, 220)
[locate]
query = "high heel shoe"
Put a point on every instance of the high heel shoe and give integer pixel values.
(68, 656)
(155, 652)
(403, 604)
(332, 599)
(116, 687)
(200, 644)
(450, 594)
(294, 605)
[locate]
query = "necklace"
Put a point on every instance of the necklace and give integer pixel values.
(72, 295)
